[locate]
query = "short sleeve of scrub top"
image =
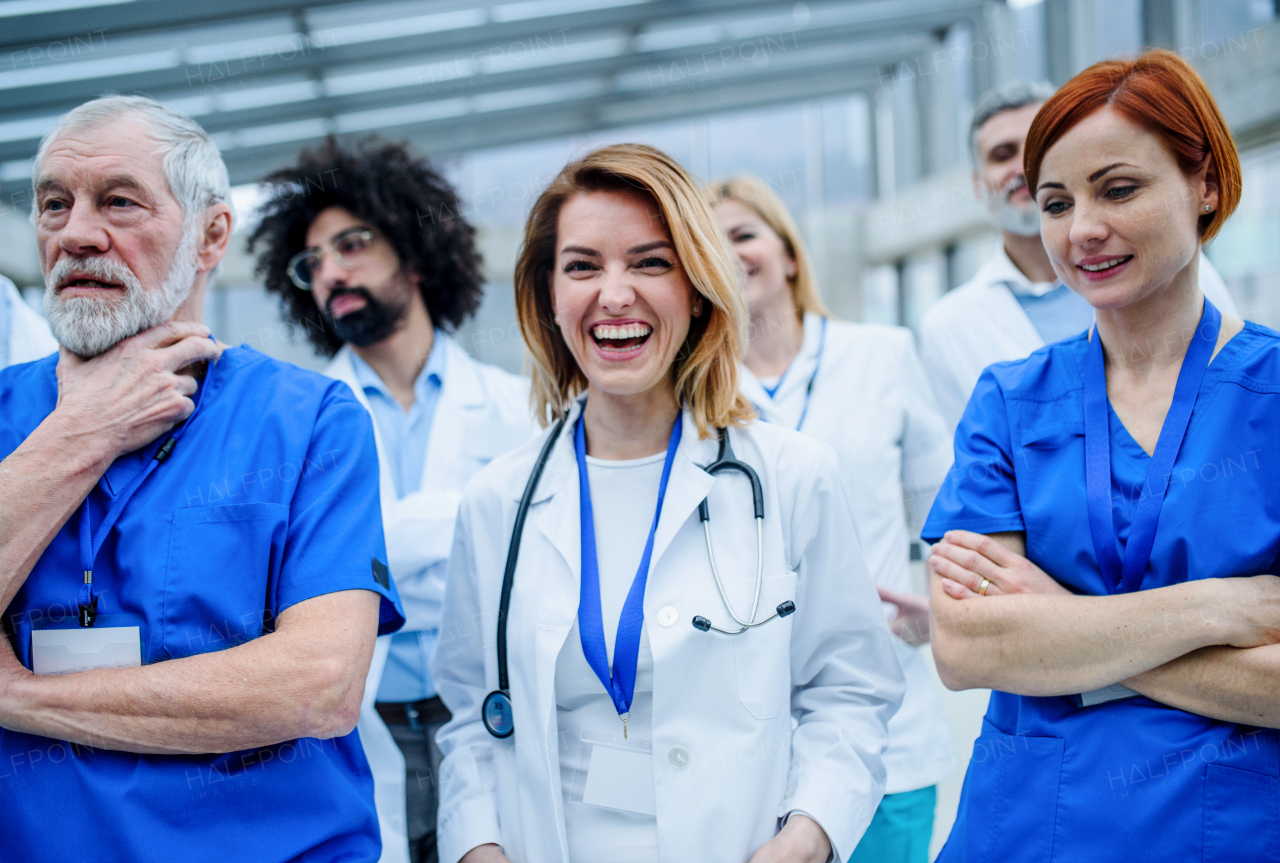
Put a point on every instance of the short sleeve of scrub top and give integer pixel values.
(330, 511)
(269, 498)
(980, 492)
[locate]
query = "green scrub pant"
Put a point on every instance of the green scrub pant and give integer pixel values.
(900, 830)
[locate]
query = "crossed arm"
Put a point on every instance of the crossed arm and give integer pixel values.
(305, 679)
(1210, 646)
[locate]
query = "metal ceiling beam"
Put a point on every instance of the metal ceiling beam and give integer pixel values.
(877, 18)
(859, 53)
(459, 135)
(148, 16)
(854, 56)
(140, 16)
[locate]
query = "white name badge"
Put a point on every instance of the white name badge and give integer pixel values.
(62, 651)
(621, 778)
(1114, 692)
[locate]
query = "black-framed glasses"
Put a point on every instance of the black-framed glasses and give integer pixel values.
(347, 248)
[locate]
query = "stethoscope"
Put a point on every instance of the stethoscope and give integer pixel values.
(496, 711)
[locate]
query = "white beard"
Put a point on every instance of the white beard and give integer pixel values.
(89, 326)
(1019, 221)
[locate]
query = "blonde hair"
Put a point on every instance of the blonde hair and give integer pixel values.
(756, 194)
(706, 367)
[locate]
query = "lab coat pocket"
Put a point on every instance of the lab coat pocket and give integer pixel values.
(1240, 809)
(1011, 794)
(215, 591)
(763, 654)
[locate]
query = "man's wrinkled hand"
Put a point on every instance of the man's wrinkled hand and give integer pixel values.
(135, 392)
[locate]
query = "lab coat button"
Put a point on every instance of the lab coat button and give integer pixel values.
(678, 756)
(668, 616)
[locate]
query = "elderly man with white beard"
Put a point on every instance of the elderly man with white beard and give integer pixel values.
(191, 549)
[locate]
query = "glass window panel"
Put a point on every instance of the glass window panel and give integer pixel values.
(1246, 251)
(768, 143)
(1222, 19)
(1030, 61)
(846, 150)
(1118, 27)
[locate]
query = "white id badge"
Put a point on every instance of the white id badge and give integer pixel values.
(619, 774)
(1114, 692)
(62, 651)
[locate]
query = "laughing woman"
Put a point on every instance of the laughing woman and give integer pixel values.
(1107, 530)
(614, 714)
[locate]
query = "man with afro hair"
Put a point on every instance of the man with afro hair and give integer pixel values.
(372, 260)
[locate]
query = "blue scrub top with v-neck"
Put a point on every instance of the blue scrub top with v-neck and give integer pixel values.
(269, 499)
(1129, 779)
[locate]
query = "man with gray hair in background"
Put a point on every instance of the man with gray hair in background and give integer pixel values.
(191, 552)
(1015, 304)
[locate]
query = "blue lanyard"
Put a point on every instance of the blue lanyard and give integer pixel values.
(808, 391)
(621, 683)
(1127, 577)
(91, 543)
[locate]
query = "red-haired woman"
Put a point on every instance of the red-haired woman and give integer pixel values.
(1104, 536)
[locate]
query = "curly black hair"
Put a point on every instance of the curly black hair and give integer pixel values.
(405, 198)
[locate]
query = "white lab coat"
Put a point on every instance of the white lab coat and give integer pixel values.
(29, 336)
(981, 322)
(483, 411)
(872, 404)
(787, 717)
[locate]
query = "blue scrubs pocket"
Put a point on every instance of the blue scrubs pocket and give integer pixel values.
(217, 584)
(1010, 804)
(1241, 816)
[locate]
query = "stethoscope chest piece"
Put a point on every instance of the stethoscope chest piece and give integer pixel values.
(497, 715)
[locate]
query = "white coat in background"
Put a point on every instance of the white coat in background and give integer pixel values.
(872, 404)
(483, 412)
(787, 717)
(981, 322)
(29, 336)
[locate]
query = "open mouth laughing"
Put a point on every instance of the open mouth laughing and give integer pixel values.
(623, 337)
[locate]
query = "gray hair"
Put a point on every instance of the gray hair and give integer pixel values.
(1006, 97)
(192, 164)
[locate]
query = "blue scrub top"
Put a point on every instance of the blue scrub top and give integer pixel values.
(1130, 779)
(270, 498)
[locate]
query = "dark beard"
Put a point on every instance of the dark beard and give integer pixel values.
(367, 325)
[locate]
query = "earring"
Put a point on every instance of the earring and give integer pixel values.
(697, 309)
(1207, 208)
(557, 320)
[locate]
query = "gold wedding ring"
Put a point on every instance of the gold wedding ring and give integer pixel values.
(982, 588)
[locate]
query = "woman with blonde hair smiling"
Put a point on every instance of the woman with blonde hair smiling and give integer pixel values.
(652, 657)
(862, 389)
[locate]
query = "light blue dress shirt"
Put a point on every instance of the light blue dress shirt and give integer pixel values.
(4, 328)
(1057, 315)
(405, 435)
